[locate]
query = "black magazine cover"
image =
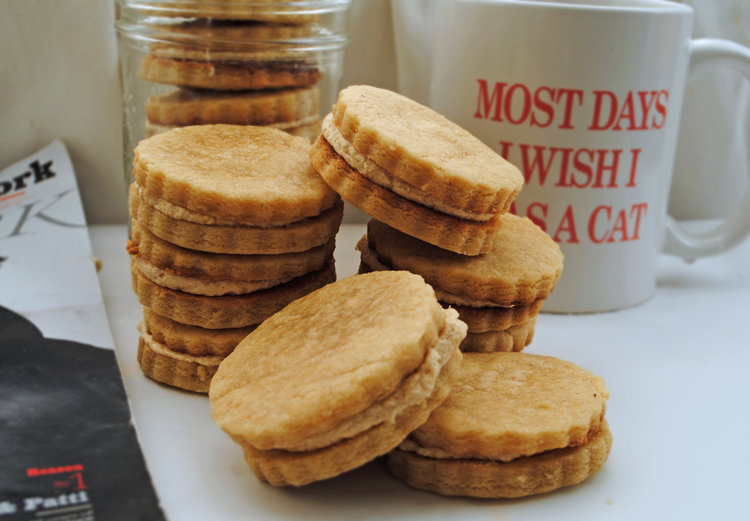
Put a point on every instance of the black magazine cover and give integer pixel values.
(68, 448)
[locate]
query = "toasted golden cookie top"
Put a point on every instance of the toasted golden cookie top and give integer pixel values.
(508, 405)
(523, 265)
(421, 147)
(325, 358)
(251, 175)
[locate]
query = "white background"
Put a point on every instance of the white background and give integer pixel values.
(60, 80)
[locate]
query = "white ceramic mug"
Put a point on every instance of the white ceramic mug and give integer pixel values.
(584, 96)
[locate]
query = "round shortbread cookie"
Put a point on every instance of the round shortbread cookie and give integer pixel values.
(192, 340)
(520, 477)
(425, 150)
(366, 352)
(244, 175)
(508, 405)
(202, 31)
(184, 107)
(217, 266)
(445, 231)
(248, 240)
(227, 311)
(521, 267)
(191, 373)
(512, 338)
(228, 75)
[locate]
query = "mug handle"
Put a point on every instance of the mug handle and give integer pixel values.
(707, 53)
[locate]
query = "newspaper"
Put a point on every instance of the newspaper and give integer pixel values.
(67, 444)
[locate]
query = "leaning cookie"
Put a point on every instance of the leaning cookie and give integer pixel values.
(514, 425)
(408, 166)
(497, 294)
(338, 377)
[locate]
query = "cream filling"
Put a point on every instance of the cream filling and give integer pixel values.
(415, 389)
(208, 360)
(373, 172)
(369, 258)
(209, 288)
(183, 214)
(260, 53)
(410, 446)
(458, 300)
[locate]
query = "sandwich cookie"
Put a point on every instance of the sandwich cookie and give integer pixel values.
(232, 189)
(514, 425)
(183, 356)
(295, 111)
(232, 56)
(497, 294)
(338, 377)
(407, 166)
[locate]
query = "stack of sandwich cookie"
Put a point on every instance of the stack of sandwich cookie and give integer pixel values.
(439, 199)
(236, 62)
(498, 294)
(338, 377)
(230, 224)
(409, 167)
(514, 425)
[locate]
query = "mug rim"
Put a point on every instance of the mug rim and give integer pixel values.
(629, 6)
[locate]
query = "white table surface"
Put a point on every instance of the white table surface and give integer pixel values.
(677, 367)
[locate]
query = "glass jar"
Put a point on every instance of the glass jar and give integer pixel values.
(260, 62)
